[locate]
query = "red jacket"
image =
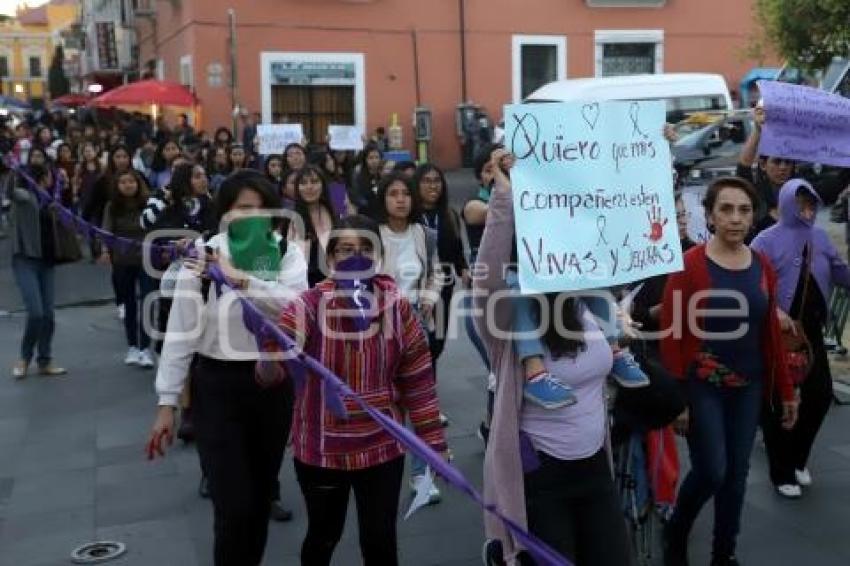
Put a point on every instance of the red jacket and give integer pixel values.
(680, 347)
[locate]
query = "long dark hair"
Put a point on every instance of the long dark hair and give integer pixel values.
(111, 165)
(159, 164)
(444, 213)
(119, 203)
(269, 159)
(226, 131)
(359, 223)
(180, 185)
(245, 179)
(308, 172)
(569, 317)
(386, 182)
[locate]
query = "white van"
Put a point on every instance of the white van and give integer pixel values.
(684, 93)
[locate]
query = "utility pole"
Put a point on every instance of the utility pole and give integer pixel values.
(234, 85)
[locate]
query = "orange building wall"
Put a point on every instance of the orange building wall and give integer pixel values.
(698, 36)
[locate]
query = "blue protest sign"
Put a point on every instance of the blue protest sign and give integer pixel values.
(805, 123)
(593, 194)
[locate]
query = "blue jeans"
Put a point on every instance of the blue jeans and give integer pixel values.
(723, 423)
(472, 332)
(526, 321)
(35, 279)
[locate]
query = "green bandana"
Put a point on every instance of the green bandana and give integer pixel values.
(253, 248)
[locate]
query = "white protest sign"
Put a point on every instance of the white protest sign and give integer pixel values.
(345, 138)
(593, 194)
(273, 138)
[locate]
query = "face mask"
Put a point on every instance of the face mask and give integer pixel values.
(253, 248)
(354, 275)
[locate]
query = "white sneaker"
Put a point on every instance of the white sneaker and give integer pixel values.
(434, 495)
(146, 360)
(804, 477)
(120, 310)
(790, 490)
(133, 357)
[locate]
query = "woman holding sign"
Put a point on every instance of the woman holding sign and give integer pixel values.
(724, 377)
(546, 468)
(808, 267)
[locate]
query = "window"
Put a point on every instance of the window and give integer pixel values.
(4, 66)
(35, 66)
(186, 74)
(629, 52)
(537, 60)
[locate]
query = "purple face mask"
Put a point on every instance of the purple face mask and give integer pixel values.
(354, 275)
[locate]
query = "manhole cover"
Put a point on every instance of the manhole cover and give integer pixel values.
(97, 552)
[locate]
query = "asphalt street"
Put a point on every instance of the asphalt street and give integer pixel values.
(72, 468)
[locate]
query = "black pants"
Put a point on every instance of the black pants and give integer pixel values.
(573, 507)
(788, 450)
(241, 431)
(376, 492)
(132, 286)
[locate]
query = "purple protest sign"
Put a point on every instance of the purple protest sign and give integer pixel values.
(805, 124)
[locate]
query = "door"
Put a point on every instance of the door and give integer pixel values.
(314, 107)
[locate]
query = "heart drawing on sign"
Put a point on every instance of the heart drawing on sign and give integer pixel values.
(590, 113)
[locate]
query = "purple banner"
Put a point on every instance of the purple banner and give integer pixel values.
(335, 388)
(805, 124)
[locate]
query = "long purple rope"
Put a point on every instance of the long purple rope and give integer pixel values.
(336, 388)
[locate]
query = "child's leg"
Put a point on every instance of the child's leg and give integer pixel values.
(540, 387)
(625, 371)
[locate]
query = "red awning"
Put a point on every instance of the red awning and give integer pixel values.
(70, 100)
(164, 93)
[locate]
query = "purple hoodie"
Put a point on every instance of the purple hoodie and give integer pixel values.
(783, 243)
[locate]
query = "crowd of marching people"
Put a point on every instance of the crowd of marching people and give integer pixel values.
(357, 260)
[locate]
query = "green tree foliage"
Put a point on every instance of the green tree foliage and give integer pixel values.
(57, 82)
(807, 33)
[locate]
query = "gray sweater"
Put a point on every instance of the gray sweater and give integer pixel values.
(25, 221)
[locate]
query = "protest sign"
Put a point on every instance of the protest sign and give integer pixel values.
(692, 197)
(345, 138)
(593, 194)
(275, 137)
(806, 124)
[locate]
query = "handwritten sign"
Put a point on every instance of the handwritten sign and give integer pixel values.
(275, 137)
(692, 197)
(593, 194)
(805, 123)
(345, 138)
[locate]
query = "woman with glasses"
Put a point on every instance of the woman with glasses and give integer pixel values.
(440, 217)
(358, 324)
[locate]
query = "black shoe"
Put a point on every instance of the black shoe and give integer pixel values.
(724, 561)
(675, 549)
(278, 513)
(492, 554)
(204, 488)
(186, 432)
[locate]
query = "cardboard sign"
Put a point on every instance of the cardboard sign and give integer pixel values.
(806, 124)
(273, 138)
(593, 194)
(345, 138)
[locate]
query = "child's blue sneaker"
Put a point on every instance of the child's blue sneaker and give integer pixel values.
(547, 392)
(626, 371)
